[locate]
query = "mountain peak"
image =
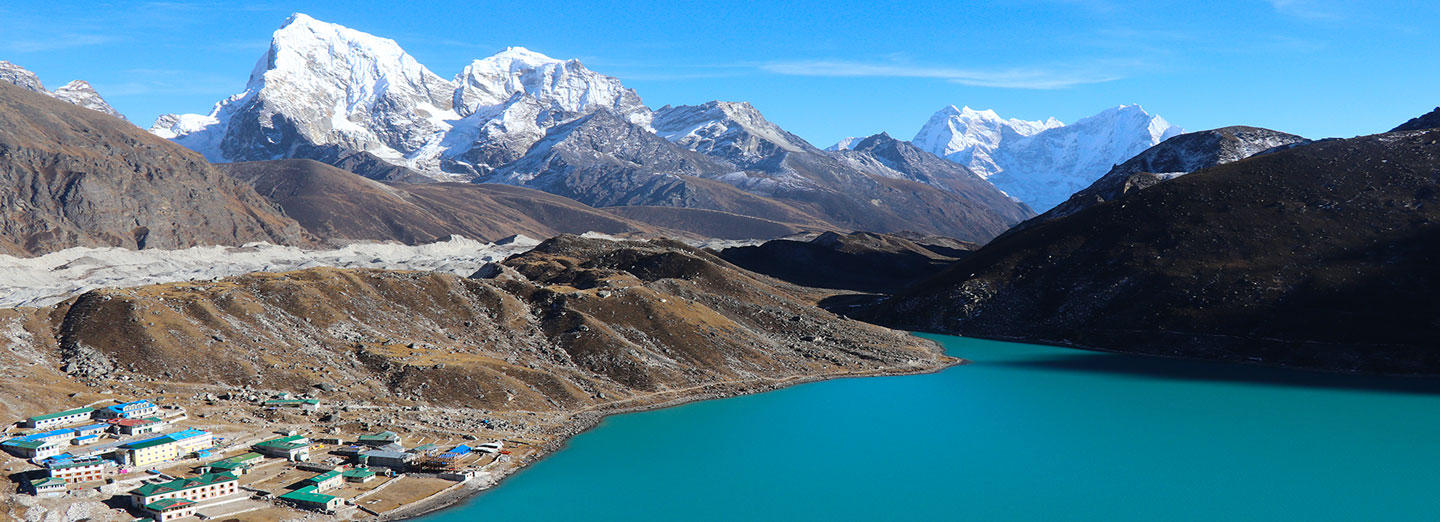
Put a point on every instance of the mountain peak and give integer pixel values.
(78, 92)
(522, 56)
(845, 143)
(20, 76)
(737, 128)
(302, 19)
(1041, 162)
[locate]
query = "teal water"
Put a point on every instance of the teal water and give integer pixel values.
(1024, 433)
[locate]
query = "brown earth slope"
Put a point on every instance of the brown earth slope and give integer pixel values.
(576, 323)
(859, 261)
(341, 205)
(70, 177)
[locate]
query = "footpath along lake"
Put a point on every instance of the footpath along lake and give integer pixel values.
(1024, 433)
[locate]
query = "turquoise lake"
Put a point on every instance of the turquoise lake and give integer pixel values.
(1023, 433)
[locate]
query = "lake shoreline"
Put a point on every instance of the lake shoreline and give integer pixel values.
(584, 421)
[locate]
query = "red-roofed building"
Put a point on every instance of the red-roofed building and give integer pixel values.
(136, 426)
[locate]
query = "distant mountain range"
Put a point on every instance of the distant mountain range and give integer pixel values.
(1041, 162)
(357, 101)
(77, 92)
(1316, 255)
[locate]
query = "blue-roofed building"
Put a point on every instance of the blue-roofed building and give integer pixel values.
(129, 410)
(50, 436)
(91, 429)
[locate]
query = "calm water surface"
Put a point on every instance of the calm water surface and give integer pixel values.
(1024, 433)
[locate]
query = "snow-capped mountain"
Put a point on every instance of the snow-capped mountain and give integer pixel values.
(845, 143)
(322, 84)
(22, 77)
(510, 99)
(858, 186)
(77, 92)
(323, 88)
(1042, 162)
(1170, 159)
(350, 99)
(733, 131)
(968, 137)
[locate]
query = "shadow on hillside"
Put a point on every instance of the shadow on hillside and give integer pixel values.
(1194, 370)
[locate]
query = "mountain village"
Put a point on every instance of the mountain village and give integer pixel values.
(149, 461)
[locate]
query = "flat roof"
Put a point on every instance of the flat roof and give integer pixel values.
(79, 464)
(27, 444)
(188, 433)
(150, 443)
(244, 457)
(65, 413)
(323, 476)
(386, 454)
(308, 495)
(358, 472)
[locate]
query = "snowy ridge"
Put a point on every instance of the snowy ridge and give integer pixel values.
(733, 131)
(49, 279)
(1042, 163)
(322, 86)
(77, 92)
(845, 143)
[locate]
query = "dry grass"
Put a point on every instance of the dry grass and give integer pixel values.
(407, 491)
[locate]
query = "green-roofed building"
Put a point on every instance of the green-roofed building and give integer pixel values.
(33, 449)
(237, 464)
(358, 475)
(293, 403)
(326, 481)
(63, 418)
(203, 487)
(379, 439)
(294, 447)
(309, 498)
(47, 487)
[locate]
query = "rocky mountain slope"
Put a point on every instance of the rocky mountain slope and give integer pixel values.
(986, 206)
(1170, 159)
(1041, 163)
(1319, 256)
(860, 261)
(575, 324)
(339, 205)
(1429, 120)
(75, 177)
(873, 189)
(77, 92)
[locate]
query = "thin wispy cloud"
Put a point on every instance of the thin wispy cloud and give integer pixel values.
(57, 42)
(1012, 78)
(1311, 9)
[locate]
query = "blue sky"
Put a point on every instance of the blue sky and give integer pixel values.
(826, 70)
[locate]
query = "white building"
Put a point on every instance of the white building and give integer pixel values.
(64, 418)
